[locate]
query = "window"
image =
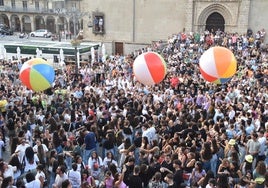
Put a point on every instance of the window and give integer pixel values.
(36, 5)
(1, 2)
(24, 5)
(13, 4)
(98, 23)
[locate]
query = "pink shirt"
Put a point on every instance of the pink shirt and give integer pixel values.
(122, 185)
(109, 182)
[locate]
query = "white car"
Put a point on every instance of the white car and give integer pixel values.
(41, 33)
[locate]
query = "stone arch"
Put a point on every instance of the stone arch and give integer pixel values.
(15, 22)
(39, 22)
(26, 23)
(4, 19)
(214, 22)
(51, 22)
(219, 8)
(62, 23)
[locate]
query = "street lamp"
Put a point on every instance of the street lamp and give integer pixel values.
(76, 43)
(75, 15)
(59, 13)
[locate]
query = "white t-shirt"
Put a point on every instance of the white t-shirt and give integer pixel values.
(59, 180)
(31, 166)
(39, 175)
(44, 147)
(75, 178)
(10, 171)
(100, 22)
(150, 133)
(21, 149)
(1, 145)
(262, 141)
(107, 161)
(92, 161)
(33, 184)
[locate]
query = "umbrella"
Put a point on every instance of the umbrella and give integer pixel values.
(99, 53)
(18, 53)
(103, 51)
(5, 53)
(37, 53)
(61, 55)
(40, 52)
(78, 59)
(2, 52)
(92, 55)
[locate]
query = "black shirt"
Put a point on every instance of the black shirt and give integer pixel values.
(168, 166)
(135, 181)
(128, 174)
(178, 178)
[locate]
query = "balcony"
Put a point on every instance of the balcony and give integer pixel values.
(26, 10)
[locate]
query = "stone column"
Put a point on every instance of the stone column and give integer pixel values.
(243, 17)
(32, 23)
(189, 16)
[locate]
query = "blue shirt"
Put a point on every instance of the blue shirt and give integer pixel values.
(90, 141)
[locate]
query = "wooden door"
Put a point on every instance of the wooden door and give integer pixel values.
(119, 48)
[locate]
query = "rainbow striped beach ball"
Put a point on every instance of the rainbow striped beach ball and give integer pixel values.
(37, 74)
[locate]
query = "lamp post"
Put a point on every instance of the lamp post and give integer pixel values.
(59, 33)
(75, 15)
(76, 43)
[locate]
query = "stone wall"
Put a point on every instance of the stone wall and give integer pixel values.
(258, 15)
(137, 21)
(141, 21)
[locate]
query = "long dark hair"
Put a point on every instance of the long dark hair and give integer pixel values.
(207, 153)
(223, 181)
(56, 139)
(29, 154)
(14, 143)
(14, 161)
(208, 176)
(6, 182)
(41, 154)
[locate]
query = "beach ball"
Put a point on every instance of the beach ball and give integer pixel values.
(217, 65)
(149, 68)
(37, 74)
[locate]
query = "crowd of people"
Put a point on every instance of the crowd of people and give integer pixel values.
(102, 128)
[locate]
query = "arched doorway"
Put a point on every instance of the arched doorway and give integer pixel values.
(15, 23)
(4, 20)
(26, 24)
(51, 24)
(39, 22)
(214, 22)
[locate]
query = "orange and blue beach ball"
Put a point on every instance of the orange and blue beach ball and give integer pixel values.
(218, 65)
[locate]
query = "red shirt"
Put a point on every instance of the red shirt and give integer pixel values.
(174, 81)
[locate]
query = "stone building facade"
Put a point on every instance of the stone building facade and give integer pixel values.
(144, 21)
(124, 25)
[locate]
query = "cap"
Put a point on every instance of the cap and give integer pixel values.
(259, 180)
(249, 158)
(231, 142)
